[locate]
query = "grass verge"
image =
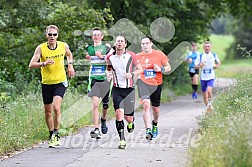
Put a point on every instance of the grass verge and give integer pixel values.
(232, 68)
(226, 133)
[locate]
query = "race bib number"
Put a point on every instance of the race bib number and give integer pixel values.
(207, 71)
(192, 70)
(98, 70)
(65, 83)
(149, 73)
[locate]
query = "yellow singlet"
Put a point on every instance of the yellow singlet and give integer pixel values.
(54, 73)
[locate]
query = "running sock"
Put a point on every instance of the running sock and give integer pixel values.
(56, 131)
(120, 129)
(50, 132)
(154, 123)
(103, 120)
(195, 88)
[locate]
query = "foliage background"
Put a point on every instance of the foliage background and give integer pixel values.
(23, 23)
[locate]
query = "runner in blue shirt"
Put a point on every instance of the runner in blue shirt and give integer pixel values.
(193, 73)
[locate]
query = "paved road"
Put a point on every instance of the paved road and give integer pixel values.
(178, 131)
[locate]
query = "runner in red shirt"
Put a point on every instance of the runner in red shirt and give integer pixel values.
(154, 63)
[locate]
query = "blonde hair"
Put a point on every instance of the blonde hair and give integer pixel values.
(207, 42)
(52, 27)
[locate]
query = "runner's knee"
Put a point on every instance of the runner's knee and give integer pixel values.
(146, 103)
(118, 112)
(105, 106)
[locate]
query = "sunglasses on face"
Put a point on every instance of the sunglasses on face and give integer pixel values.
(50, 34)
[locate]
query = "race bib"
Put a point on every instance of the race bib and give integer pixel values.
(207, 71)
(149, 73)
(192, 70)
(65, 83)
(98, 70)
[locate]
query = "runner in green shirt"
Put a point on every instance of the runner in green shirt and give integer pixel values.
(98, 86)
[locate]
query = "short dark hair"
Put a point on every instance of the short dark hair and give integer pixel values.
(147, 36)
(126, 41)
(193, 43)
(119, 35)
(97, 28)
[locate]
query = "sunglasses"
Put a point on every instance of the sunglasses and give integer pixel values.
(50, 34)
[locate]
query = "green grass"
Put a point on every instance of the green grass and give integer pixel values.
(226, 133)
(21, 123)
(232, 68)
(220, 44)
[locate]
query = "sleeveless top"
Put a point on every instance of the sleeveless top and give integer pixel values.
(54, 73)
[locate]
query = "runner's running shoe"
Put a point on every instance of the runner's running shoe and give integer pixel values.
(104, 127)
(57, 141)
(54, 141)
(122, 144)
(95, 133)
(154, 131)
(209, 106)
(195, 95)
(51, 141)
(149, 134)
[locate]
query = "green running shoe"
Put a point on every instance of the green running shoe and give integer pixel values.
(122, 144)
(154, 131)
(57, 141)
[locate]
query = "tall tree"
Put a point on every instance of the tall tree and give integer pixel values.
(22, 28)
(242, 10)
(191, 18)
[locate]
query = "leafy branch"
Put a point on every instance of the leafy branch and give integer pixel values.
(244, 52)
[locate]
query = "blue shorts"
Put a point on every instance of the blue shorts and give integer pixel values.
(205, 84)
